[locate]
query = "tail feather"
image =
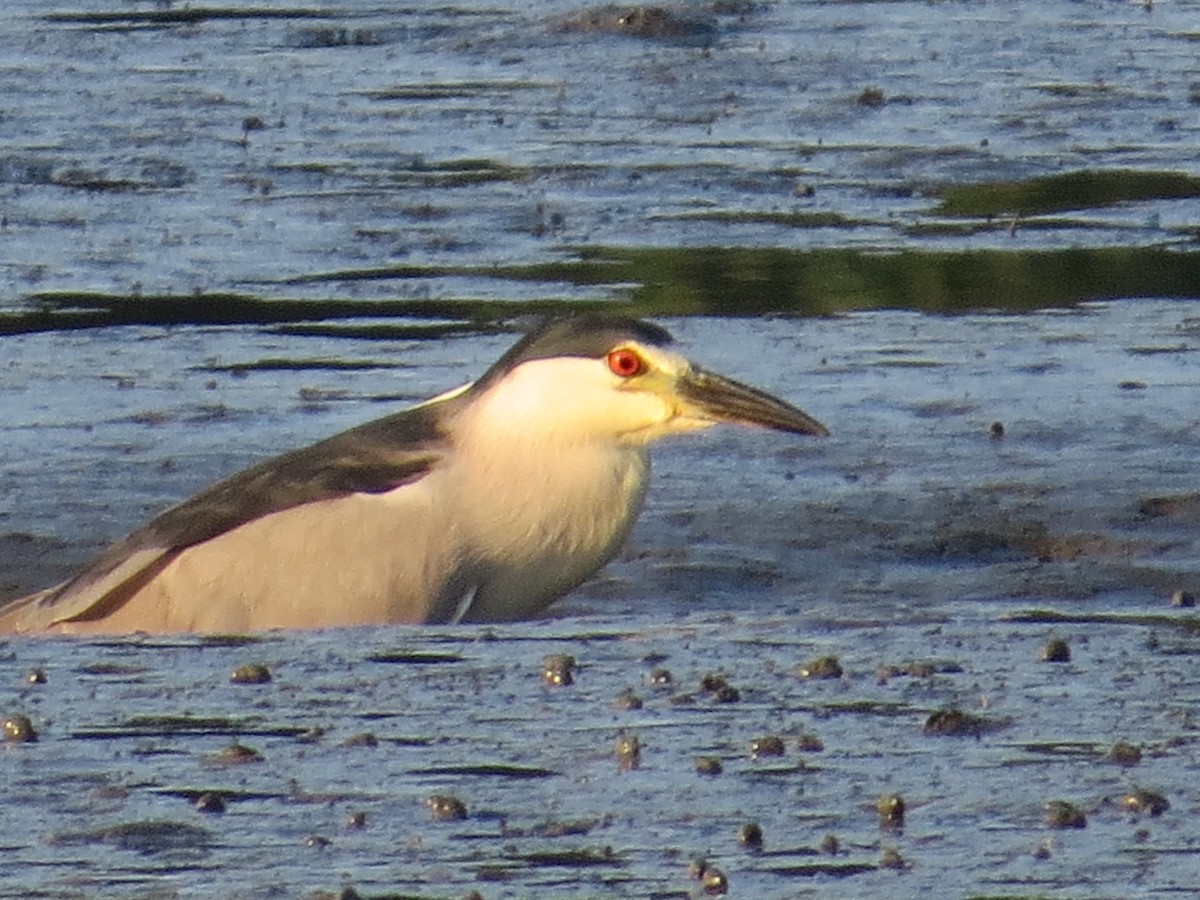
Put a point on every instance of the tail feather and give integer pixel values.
(87, 597)
(18, 616)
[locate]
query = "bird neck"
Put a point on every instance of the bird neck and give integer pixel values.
(531, 490)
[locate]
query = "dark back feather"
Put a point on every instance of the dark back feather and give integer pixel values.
(372, 458)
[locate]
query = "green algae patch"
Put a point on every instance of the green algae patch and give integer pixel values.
(450, 173)
(67, 310)
(661, 281)
(1087, 189)
(414, 657)
(145, 837)
(455, 90)
(486, 770)
(163, 726)
(754, 281)
(1189, 624)
(787, 219)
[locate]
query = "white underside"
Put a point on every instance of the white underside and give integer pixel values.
(400, 557)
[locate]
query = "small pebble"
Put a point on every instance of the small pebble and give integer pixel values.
(872, 97)
(709, 765)
(830, 845)
(210, 802)
(1183, 599)
(719, 689)
(822, 667)
(238, 754)
(996, 431)
(446, 808)
(771, 745)
(916, 669)
(1044, 849)
(891, 859)
(809, 743)
(726, 694)
(558, 669)
(35, 676)
(750, 836)
(356, 819)
(317, 840)
(629, 752)
(366, 739)
(714, 882)
(1061, 814)
(1125, 754)
(628, 700)
(19, 730)
(953, 721)
(1056, 650)
(891, 811)
(251, 673)
(1145, 803)
(660, 677)
(310, 736)
(711, 683)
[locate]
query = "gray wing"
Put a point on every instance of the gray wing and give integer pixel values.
(373, 458)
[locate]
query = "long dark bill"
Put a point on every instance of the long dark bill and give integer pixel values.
(725, 400)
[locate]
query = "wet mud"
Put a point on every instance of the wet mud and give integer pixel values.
(888, 599)
(481, 776)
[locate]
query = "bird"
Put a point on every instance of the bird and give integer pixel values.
(483, 504)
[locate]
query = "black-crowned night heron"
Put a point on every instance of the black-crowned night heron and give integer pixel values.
(484, 504)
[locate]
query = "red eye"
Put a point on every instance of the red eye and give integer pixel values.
(625, 362)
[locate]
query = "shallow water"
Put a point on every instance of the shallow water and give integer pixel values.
(133, 732)
(435, 152)
(912, 534)
(228, 232)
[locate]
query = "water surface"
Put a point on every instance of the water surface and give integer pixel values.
(961, 234)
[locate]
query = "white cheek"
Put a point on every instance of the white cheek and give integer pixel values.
(567, 397)
(575, 399)
(553, 389)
